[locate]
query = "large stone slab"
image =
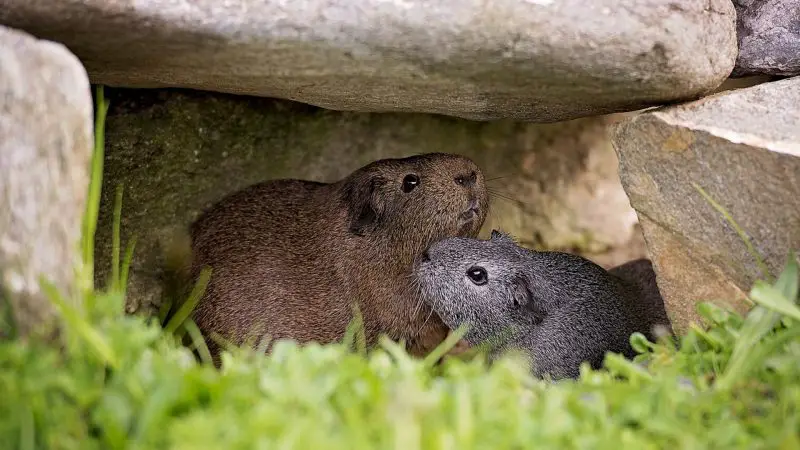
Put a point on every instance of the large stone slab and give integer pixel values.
(555, 185)
(538, 60)
(45, 149)
(743, 148)
(769, 37)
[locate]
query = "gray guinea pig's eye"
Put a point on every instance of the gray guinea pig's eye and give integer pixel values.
(477, 275)
(410, 182)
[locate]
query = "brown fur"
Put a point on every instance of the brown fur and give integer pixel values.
(290, 257)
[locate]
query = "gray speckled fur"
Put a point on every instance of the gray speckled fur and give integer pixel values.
(568, 309)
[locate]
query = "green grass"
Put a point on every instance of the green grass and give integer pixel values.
(120, 382)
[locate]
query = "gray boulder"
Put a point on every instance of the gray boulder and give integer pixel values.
(743, 148)
(536, 60)
(45, 150)
(769, 37)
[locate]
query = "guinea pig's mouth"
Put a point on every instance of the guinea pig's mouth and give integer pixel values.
(470, 214)
(467, 222)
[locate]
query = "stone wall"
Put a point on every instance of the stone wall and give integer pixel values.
(556, 185)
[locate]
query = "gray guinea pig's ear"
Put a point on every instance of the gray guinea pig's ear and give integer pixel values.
(499, 236)
(525, 300)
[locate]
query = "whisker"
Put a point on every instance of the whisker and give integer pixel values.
(430, 313)
(507, 197)
(492, 218)
(495, 195)
(416, 289)
(416, 286)
(497, 191)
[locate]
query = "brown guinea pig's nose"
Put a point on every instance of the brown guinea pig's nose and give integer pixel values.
(467, 180)
(472, 209)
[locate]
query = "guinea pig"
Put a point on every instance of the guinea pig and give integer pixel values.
(559, 309)
(290, 258)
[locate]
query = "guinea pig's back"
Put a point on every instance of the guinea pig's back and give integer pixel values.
(644, 300)
(264, 245)
(592, 317)
(266, 217)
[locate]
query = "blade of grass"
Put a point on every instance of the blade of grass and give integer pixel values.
(263, 344)
(254, 335)
(789, 281)
(164, 310)
(188, 306)
(224, 346)
(115, 238)
(771, 344)
(198, 341)
(90, 336)
(441, 349)
(773, 299)
(27, 429)
(95, 182)
(354, 337)
(620, 365)
(8, 324)
(760, 321)
(126, 265)
(742, 235)
(396, 350)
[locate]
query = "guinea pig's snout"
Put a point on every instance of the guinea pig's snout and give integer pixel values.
(425, 257)
(472, 211)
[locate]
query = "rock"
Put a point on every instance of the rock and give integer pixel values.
(744, 82)
(769, 37)
(536, 60)
(176, 152)
(45, 151)
(743, 148)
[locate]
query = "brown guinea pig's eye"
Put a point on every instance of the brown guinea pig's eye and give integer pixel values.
(410, 182)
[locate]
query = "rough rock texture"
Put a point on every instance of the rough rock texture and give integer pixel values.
(769, 37)
(45, 149)
(176, 152)
(539, 60)
(743, 148)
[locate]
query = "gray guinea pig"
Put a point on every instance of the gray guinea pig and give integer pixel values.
(558, 308)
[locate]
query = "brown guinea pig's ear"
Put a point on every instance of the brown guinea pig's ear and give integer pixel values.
(363, 209)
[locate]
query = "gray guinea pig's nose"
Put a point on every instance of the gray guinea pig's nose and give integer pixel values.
(425, 256)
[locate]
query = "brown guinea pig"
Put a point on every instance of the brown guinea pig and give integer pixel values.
(289, 258)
